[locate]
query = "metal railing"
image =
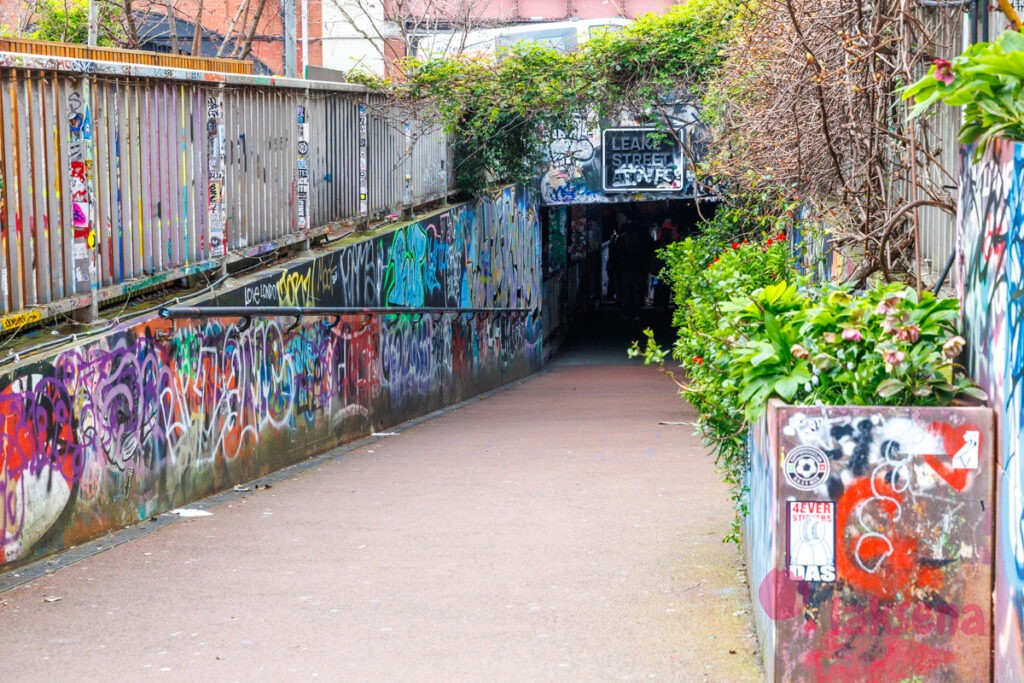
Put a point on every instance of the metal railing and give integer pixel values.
(118, 177)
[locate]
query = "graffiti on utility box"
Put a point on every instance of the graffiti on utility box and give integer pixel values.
(645, 159)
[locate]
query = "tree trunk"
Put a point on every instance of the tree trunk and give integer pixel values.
(130, 25)
(251, 33)
(172, 26)
(197, 32)
(244, 6)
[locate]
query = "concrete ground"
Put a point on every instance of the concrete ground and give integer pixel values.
(553, 531)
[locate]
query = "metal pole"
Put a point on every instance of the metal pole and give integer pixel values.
(305, 36)
(289, 38)
(94, 28)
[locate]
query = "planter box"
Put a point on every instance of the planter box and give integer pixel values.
(869, 542)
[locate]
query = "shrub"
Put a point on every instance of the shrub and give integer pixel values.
(750, 329)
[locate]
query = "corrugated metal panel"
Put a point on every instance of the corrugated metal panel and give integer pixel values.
(430, 166)
(110, 54)
(107, 178)
(942, 128)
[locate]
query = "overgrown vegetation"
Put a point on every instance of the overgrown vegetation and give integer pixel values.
(502, 109)
(751, 328)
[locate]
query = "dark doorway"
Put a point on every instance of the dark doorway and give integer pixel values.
(601, 270)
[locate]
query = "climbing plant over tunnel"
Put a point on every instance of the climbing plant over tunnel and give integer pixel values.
(503, 108)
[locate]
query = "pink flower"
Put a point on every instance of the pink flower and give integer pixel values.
(910, 333)
(893, 358)
(889, 324)
(943, 71)
(953, 347)
(800, 352)
(852, 334)
(829, 337)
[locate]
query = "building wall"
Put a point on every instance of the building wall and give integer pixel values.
(158, 413)
(354, 34)
(990, 283)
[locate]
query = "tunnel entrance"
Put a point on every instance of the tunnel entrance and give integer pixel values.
(600, 269)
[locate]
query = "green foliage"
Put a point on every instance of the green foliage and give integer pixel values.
(67, 21)
(824, 345)
(502, 108)
(987, 80)
(750, 329)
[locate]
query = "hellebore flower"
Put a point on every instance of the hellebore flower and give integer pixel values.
(910, 333)
(829, 337)
(953, 347)
(943, 71)
(893, 358)
(852, 334)
(800, 352)
(889, 324)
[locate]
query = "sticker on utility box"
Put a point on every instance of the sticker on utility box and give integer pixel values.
(967, 457)
(812, 540)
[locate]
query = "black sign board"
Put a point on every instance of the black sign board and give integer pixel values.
(641, 160)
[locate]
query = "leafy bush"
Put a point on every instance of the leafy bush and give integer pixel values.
(750, 329)
(987, 80)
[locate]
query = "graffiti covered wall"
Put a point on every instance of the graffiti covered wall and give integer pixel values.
(575, 172)
(869, 542)
(990, 283)
(160, 413)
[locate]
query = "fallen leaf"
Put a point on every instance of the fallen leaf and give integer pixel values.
(241, 489)
(51, 598)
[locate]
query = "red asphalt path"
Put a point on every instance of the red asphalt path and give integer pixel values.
(553, 531)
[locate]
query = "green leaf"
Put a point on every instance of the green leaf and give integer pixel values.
(974, 392)
(889, 387)
(786, 387)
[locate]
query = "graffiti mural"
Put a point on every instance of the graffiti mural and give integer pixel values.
(869, 542)
(575, 172)
(990, 266)
(158, 413)
(480, 254)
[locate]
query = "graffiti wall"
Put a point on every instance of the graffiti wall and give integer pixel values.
(869, 542)
(159, 413)
(990, 266)
(576, 170)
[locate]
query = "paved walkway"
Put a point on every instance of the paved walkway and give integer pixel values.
(553, 531)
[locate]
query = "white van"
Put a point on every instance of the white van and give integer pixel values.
(563, 36)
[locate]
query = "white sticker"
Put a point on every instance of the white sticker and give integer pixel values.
(812, 540)
(967, 457)
(806, 468)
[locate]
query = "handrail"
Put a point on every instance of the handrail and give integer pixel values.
(187, 312)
